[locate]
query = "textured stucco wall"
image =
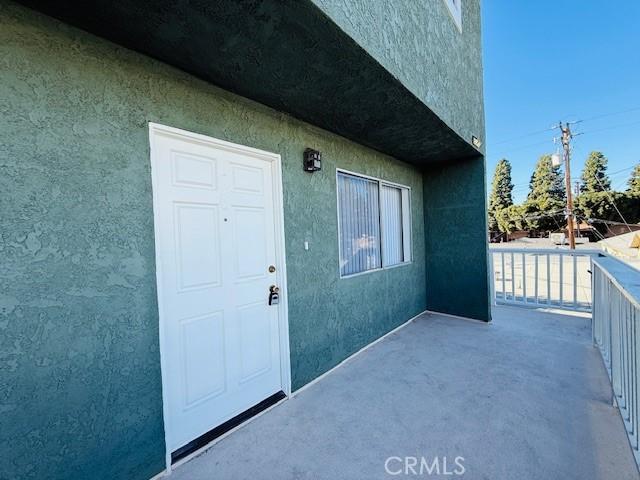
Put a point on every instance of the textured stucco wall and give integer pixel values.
(456, 239)
(291, 56)
(419, 43)
(79, 360)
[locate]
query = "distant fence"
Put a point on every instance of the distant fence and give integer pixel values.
(616, 312)
(550, 277)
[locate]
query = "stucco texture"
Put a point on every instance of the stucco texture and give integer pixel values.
(419, 43)
(79, 355)
(456, 239)
(291, 56)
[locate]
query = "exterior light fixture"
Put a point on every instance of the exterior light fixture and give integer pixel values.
(312, 160)
(476, 142)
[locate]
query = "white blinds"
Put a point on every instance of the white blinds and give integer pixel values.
(375, 224)
(359, 215)
(391, 221)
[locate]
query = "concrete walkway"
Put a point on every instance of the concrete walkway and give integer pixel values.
(526, 397)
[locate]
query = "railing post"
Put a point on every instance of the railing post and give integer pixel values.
(559, 294)
(561, 271)
(575, 279)
(616, 309)
(524, 278)
(504, 283)
(548, 279)
(513, 278)
(535, 279)
(492, 276)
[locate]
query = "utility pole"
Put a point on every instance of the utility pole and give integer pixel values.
(577, 193)
(566, 141)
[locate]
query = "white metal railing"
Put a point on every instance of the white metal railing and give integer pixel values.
(550, 277)
(616, 311)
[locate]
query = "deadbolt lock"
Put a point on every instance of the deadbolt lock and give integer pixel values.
(272, 268)
(274, 295)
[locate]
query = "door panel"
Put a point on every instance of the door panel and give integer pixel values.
(216, 240)
(197, 246)
(255, 352)
(202, 341)
(250, 256)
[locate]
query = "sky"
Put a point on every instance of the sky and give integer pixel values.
(564, 60)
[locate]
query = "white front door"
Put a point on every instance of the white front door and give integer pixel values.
(216, 240)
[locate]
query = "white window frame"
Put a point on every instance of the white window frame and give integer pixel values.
(407, 236)
(455, 9)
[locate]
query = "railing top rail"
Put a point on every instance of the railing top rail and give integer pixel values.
(623, 276)
(552, 251)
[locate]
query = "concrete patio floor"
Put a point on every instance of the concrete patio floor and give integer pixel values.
(526, 397)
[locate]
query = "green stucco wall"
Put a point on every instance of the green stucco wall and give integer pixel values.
(79, 359)
(291, 56)
(420, 44)
(456, 239)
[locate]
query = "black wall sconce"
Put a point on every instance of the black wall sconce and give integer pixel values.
(312, 160)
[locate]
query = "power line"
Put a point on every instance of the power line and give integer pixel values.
(610, 114)
(526, 135)
(612, 202)
(523, 187)
(594, 230)
(608, 128)
(527, 184)
(504, 153)
(618, 172)
(588, 119)
(610, 196)
(610, 222)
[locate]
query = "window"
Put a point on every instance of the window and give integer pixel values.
(455, 9)
(374, 220)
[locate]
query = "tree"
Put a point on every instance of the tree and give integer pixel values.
(599, 206)
(510, 219)
(501, 192)
(634, 181)
(596, 205)
(594, 174)
(545, 202)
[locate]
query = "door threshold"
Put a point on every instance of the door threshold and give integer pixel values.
(223, 428)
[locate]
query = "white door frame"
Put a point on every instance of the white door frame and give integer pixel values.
(155, 130)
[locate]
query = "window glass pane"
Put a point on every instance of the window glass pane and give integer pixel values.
(391, 219)
(455, 8)
(358, 206)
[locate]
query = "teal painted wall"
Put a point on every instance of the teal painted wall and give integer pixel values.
(456, 239)
(291, 56)
(419, 43)
(79, 359)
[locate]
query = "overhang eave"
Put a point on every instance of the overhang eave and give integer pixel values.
(287, 55)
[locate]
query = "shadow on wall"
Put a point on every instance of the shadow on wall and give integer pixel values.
(456, 247)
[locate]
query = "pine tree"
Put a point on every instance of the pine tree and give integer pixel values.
(545, 202)
(501, 192)
(634, 181)
(511, 219)
(594, 174)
